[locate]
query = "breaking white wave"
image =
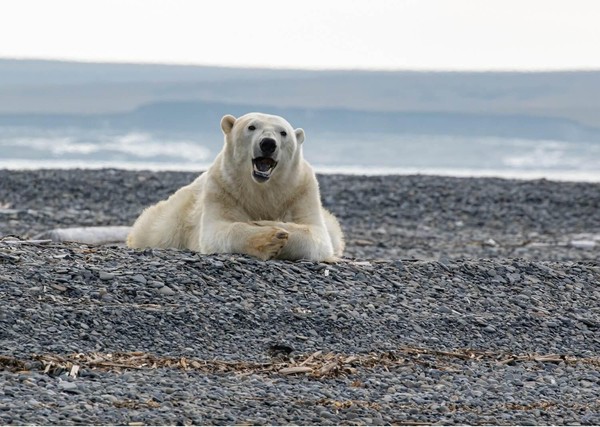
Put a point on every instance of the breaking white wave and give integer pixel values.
(555, 154)
(130, 146)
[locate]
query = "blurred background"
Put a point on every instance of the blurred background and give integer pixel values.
(454, 87)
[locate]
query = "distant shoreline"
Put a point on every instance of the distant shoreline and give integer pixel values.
(551, 175)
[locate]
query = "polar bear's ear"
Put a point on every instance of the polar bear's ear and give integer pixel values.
(299, 135)
(227, 123)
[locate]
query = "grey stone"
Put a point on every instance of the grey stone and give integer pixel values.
(165, 290)
(68, 386)
(155, 284)
(139, 278)
(106, 276)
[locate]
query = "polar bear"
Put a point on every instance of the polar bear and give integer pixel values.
(259, 197)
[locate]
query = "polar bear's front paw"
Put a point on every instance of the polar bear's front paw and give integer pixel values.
(268, 243)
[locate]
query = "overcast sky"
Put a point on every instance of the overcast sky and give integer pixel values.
(372, 34)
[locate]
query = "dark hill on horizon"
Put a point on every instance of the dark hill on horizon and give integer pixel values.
(562, 105)
(193, 117)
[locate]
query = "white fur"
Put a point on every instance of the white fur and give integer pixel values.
(225, 210)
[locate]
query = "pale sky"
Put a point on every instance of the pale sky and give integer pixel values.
(372, 34)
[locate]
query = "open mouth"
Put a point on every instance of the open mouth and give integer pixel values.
(262, 168)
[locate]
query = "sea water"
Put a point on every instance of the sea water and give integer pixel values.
(360, 153)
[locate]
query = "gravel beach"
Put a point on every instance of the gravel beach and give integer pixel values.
(460, 301)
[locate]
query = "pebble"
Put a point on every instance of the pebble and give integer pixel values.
(139, 279)
(68, 386)
(165, 290)
(155, 284)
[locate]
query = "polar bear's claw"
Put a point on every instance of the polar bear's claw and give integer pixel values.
(269, 243)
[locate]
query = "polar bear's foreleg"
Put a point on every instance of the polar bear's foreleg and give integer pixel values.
(305, 241)
(241, 237)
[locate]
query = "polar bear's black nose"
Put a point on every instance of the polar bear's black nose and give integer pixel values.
(268, 145)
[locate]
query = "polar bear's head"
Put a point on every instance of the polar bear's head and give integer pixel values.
(258, 143)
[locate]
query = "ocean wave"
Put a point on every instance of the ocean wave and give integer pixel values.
(132, 145)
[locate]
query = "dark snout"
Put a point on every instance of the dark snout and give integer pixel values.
(268, 145)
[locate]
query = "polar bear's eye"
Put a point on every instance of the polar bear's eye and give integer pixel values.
(251, 127)
(283, 133)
